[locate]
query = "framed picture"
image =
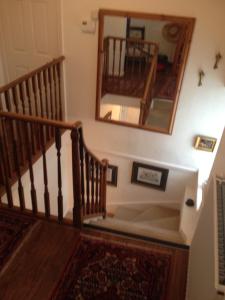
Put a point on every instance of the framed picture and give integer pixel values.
(205, 143)
(136, 33)
(112, 174)
(150, 176)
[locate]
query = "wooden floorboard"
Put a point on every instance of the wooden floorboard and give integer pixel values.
(36, 268)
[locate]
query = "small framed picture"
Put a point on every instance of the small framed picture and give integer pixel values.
(112, 174)
(205, 143)
(150, 176)
(136, 32)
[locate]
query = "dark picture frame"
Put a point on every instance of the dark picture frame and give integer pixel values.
(150, 176)
(112, 175)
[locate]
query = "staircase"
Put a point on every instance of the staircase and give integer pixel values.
(31, 114)
(153, 221)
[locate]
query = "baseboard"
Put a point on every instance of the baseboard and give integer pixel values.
(174, 205)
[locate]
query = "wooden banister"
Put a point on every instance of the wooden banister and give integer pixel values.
(89, 172)
(31, 74)
(145, 102)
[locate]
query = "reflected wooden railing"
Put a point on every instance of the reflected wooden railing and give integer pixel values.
(38, 93)
(148, 93)
(88, 172)
(126, 65)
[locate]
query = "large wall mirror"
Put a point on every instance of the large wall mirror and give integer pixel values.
(141, 62)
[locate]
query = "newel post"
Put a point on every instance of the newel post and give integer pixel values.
(104, 184)
(77, 207)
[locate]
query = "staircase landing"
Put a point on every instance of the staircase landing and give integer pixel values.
(37, 265)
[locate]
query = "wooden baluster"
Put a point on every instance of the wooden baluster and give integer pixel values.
(7, 133)
(45, 172)
(141, 61)
(133, 61)
(77, 209)
(49, 97)
(20, 145)
(15, 99)
(52, 93)
(39, 82)
(114, 57)
(92, 186)
(28, 94)
(35, 94)
(100, 190)
(97, 187)
(18, 172)
(8, 101)
(30, 164)
(45, 90)
(59, 72)
(107, 56)
(87, 164)
(120, 57)
(22, 98)
(104, 183)
(33, 142)
(57, 114)
(126, 71)
(81, 146)
(5, 169)
(58, 145)
(1, 103)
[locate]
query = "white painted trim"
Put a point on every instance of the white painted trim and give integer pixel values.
(62, 47)
(2, 46)
(147, 160)
(184, 237)
(143, 203)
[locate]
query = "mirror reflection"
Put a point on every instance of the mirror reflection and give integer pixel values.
(140, 66)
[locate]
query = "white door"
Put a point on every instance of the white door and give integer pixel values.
(31, 34)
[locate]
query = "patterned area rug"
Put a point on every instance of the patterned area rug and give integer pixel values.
(13, 228)
(107, 270)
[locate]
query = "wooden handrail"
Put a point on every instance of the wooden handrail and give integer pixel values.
(89, 173)
(145, 102)
(37, 93)
(47, 122)
(32, 73)
(42, 121)
(132, 40)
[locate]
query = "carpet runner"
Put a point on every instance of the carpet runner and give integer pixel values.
(109, 270)
(13, 229)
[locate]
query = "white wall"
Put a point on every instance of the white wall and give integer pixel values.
(2, 75)
(66, 167)
(200, 110)
(201, 282)
(127, 193)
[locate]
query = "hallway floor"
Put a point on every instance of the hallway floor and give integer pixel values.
(38, 262)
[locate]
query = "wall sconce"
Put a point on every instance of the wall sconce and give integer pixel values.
(201, 74)
(218, 58)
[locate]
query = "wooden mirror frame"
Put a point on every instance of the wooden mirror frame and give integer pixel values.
(188, 21)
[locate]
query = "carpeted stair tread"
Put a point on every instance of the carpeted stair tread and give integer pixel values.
(171, 223)
(126, 213)
(155, 212)
(140, 229)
